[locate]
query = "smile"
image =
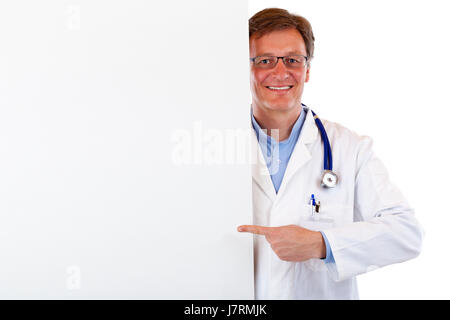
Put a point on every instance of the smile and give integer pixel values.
(279, 89)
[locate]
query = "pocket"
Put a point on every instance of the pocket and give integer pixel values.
(317, 223)
(329, 216)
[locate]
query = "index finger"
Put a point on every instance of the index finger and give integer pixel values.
(255, 229)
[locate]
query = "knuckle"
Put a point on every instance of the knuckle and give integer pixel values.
(276, 231)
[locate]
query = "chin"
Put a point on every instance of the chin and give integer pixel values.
(279, 108)
(282, 106)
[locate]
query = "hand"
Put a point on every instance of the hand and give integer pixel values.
(291, 243)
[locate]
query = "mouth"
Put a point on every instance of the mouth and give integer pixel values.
(279, 89)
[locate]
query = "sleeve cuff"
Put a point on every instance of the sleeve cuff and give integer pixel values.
(329, 255)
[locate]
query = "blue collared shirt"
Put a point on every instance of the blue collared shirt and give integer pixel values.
(277, 155)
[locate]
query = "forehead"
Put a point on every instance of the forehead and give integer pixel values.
(280, 42)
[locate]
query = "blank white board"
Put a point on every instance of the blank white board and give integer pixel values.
(111, 185)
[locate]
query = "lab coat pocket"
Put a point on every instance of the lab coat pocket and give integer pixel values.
(317, 224)
(330, 216)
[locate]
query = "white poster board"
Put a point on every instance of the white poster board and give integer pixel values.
(112, 184)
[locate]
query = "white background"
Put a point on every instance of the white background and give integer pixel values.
(381, 68)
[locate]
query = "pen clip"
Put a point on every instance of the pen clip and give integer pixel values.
(317, 207)
(312, 201)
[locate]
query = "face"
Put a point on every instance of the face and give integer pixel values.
(278, 43)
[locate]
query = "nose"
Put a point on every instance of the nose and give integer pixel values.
(280, 69)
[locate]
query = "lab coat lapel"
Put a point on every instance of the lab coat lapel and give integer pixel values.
(260, 172)
(300, 155)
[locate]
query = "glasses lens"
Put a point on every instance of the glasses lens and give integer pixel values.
(265, 62)
(295, 61)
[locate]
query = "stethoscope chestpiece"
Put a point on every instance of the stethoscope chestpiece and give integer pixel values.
(329, 179)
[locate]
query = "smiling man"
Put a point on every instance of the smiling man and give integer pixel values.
(276, 93)
(312, 236)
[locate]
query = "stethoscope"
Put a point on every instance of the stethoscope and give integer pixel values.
(329, 178)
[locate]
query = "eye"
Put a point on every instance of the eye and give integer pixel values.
(264, 60)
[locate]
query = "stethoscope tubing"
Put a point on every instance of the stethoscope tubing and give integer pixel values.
(327, 157)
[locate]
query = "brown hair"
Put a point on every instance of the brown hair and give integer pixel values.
(274, 19)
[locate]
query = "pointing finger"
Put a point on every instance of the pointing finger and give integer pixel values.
(255, 229)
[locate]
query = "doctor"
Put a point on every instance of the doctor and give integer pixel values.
(303, 249)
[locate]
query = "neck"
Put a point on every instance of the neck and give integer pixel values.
(278, 123)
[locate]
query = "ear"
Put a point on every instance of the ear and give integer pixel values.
(307, 74)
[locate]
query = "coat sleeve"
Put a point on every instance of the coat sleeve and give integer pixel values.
(384, 231)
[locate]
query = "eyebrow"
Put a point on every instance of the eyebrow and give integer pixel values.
(271, 54)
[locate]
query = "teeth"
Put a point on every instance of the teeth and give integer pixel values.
(280, 88)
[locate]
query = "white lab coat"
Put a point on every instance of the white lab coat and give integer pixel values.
(367, 221)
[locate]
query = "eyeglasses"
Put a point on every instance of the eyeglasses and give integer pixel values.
(295, 61)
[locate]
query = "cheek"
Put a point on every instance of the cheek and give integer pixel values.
(300, 77)
(256, 79)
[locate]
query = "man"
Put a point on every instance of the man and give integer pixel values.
(302, 250)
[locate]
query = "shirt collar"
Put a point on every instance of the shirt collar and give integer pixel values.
(294, 132)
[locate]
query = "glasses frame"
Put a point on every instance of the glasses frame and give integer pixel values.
(283, 58)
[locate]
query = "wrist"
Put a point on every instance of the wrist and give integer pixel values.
(321, 248)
